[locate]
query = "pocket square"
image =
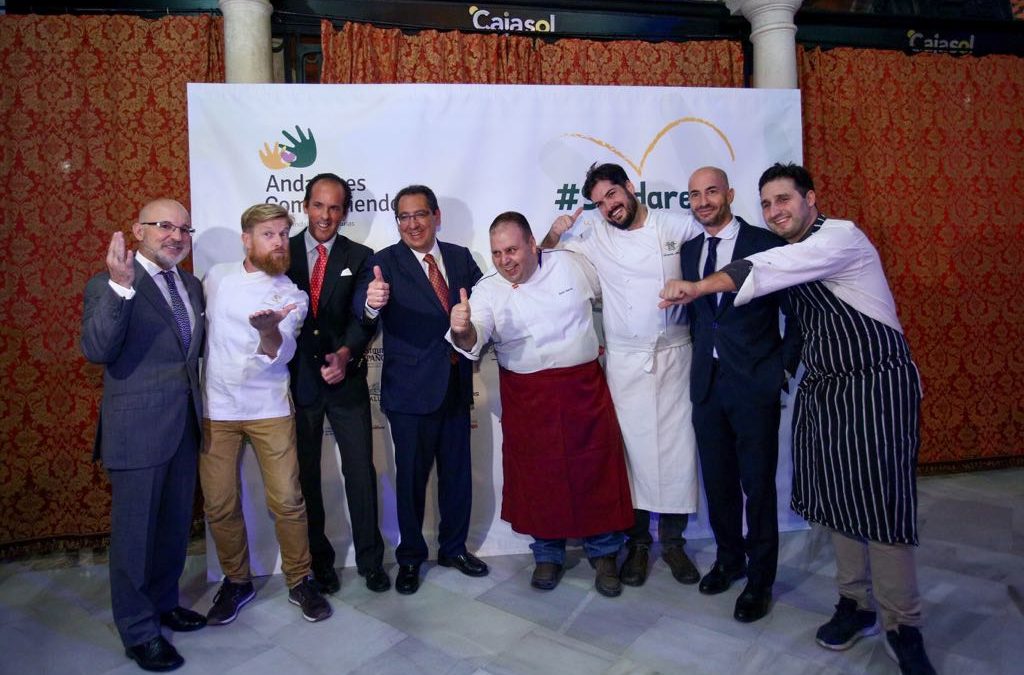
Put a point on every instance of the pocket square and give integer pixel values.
(345, 273)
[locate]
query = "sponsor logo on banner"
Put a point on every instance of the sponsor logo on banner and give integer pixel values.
(275, 155)
(919, 42)
(569, 195)
(506, 22)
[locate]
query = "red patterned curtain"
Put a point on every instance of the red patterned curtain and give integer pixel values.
(361, 53)
(926, 154)
(94, 121)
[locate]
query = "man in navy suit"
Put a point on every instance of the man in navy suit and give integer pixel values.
(735, 384)
(143, 321)
(328, 378)
(426, 386)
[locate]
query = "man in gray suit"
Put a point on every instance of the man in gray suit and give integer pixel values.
(143, 321)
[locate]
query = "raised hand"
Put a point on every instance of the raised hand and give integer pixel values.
(267, 320)
(461, 314)
(304, 149)
(678, 292)
(337, 366)
(120, 261)
(564, 223)
(378, 291)
(561, 225)
(271, 157)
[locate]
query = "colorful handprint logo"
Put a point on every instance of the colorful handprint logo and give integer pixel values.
(300, 154)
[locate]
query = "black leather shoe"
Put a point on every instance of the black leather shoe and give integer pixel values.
(157, 655)
(634, 567)
(377, 580)
(182, 620)
(720, 578)
(752, 604)
(408, 580)
(546, 575)
(327, 580)
(467, 563)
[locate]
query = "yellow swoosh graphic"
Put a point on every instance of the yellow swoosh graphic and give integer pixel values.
(668, 127)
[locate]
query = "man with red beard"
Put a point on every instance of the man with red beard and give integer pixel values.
(253, 315)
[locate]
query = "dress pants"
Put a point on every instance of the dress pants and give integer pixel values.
(352, 426)
(151, 515)
(420, 440)
(273, 441)
(886, 571)
(670, 529)
(738, 442)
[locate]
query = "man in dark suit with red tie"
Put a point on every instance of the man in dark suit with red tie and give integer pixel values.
(143, 322)
(426, 386)
(328, 378)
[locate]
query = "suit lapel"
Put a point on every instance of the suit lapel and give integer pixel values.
(147, 288)
(195, 293)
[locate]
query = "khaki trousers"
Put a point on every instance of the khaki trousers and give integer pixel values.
(888, 572)
(273, 440)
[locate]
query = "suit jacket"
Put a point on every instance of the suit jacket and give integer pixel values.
(147, 377)
(750, 350)
(417, 358)
(334, 326)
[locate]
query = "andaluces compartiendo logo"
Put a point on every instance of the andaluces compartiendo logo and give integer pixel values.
(300, 154)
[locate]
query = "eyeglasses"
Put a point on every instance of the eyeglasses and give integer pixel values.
(418, 216)
(167, 227)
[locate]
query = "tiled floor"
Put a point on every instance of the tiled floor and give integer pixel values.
(55, 614)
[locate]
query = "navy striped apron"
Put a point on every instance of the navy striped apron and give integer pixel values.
(856, 422)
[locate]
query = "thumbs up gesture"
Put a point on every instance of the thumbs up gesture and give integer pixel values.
(460, 316)
(378, 291)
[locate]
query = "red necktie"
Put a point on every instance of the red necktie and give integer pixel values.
(316, 280)
(437, 281)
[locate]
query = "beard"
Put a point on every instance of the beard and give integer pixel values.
(630, 208)
(274, 263)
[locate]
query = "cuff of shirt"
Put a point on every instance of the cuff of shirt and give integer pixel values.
(126, 293)
(474, 353)
(370, 312)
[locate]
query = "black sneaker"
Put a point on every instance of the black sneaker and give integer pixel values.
(906, 648)
(846, 626)
(307, 595)
(229, 599)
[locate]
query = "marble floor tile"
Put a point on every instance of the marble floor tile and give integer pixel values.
(55, 616)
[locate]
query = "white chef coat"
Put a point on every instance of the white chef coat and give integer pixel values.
(840, 256)
(240, 383)
(545, 322)
(648, 356)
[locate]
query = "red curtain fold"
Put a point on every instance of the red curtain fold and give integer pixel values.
(93, 116)
(926, 154)
(362, 53)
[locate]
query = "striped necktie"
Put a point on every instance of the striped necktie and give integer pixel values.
(437, 281)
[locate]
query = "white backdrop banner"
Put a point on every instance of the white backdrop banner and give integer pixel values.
(483, 149)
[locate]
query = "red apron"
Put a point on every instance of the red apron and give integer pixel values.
(563, 456)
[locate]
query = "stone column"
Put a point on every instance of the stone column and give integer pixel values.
(247, 55)
(773, 35)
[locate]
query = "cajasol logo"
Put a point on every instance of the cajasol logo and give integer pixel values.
(300, 154)
(506, 22)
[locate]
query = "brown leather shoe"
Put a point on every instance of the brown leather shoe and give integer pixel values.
(607, 580)
(683, 569)
(634, 567)
(546, 575)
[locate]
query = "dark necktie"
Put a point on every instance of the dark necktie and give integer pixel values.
(316, 280)
(178, 309)
(437, 281)
(709, 268)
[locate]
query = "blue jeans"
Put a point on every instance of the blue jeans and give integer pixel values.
(596, 546)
